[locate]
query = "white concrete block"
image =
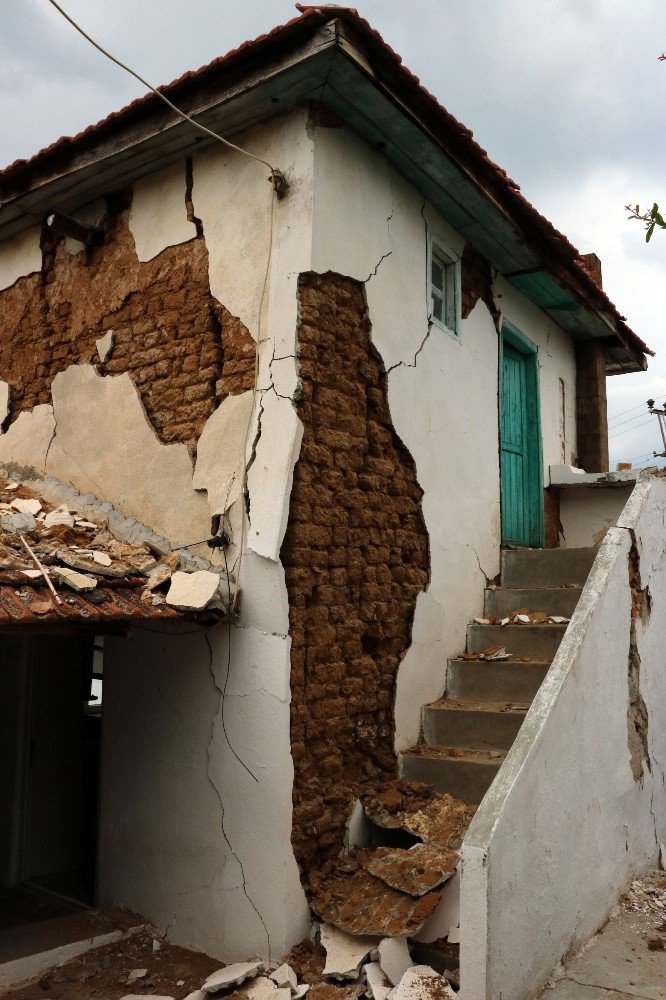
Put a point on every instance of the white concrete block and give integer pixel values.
(192, 591)
(345, 953)
(394, 958)
(284, 976)
(379, 985)
(423, 983)
(77, 581)
(233, 975)
(158, 217)
(60, 515)
(26, 506)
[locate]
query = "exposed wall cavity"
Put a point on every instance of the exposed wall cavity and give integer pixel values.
(182, 348)
(355, 557)
(476, 282)
(637, 713)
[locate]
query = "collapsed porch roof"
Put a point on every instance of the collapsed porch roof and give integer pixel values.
(332, 56)
(62, 570)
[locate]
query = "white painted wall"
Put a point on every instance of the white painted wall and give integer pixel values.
(20, 255)
(372, 224)
(565, 826)
(588, 512)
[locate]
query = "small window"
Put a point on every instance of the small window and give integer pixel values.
(443, 286)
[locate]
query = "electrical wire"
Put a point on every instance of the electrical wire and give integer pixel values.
(629, 420)
(627, 429)
(158, 93)
(275, 175)
(630, 410)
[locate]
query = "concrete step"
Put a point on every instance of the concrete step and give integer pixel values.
(471, 725)
(501, 601)
(545, 568)
(465, 775)
(539, 642)
(498, 681)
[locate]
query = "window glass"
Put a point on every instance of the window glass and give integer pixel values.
(443, 291)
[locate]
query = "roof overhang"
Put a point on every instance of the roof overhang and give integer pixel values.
(339, 62)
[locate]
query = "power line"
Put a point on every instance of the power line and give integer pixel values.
(630, 410)
(634, 428)
(629, 420)
(128, 69)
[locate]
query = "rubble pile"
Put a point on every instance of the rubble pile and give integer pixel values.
(349, 967)
(523, 616)
(48, 553)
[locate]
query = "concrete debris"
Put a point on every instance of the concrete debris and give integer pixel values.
(357, 828)
(101, 558)
(416, 807)
(559, 620)
(454, 935)
(416, 871)
(233, 975)
(394, 958)
(33, 574)
(379, 986)
(134, 975)
(87, 524)
(346, 895)
(482, 621)
(423, 983)
(77, 581)
(105, 346)
(197, 995)
(192, 591)
(300, 991)
(159, 575)
(283, 976)
(263, 988)
(345, 953)
(522, 619)
(88, 564)
(524, 616)
(18, 524)
(60, 515)
(5, 394)
(26, 506)
(156, 945)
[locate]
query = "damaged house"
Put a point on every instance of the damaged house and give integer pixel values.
(311, 564)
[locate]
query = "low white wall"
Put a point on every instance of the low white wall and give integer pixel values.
(565, 825)
(587, 513)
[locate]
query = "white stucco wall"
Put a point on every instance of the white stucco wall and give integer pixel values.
(371, 224)
(169, 772)
(587, 513)
(565, 825)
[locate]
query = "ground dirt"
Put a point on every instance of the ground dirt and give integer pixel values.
(102, 974)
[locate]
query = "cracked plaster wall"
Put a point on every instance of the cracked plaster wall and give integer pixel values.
(372, 224)
(571, 807)
(232, 891)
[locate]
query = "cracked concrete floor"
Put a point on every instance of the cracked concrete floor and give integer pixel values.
(627, 958)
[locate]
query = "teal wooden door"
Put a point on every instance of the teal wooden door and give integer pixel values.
(520, 429)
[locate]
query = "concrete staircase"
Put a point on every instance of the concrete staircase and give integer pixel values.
(467, 734)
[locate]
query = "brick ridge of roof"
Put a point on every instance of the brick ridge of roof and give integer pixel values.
(513, 200)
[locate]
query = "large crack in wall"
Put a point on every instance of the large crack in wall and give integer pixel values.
(355, 557)
(637, 713)
(183, 349)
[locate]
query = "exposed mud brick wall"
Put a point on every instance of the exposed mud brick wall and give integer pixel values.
(184, 351)
(591, 406)
(355, 556)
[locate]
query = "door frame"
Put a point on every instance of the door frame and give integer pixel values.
(512, 335)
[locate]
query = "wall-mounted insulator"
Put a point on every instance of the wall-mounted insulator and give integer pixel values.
(65, 225)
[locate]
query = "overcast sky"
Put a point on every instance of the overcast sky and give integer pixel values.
(567, 95)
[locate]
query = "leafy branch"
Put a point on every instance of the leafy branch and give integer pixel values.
(652, 219)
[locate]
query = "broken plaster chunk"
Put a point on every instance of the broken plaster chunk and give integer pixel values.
(4, 401)
(18, 524)
(232, 975)
(26, 506)
(32, 574)
(423, 983)
(135, 975)
(345, 953)
(192, 591)
(559, 620)
(77, 581)
(197, 995)
(300, 991)
(105, 346)
(416, 871)
(378, 982)
(283, 976)
(101, 558)
(159, 575)
(263, 988)
(394, 958)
